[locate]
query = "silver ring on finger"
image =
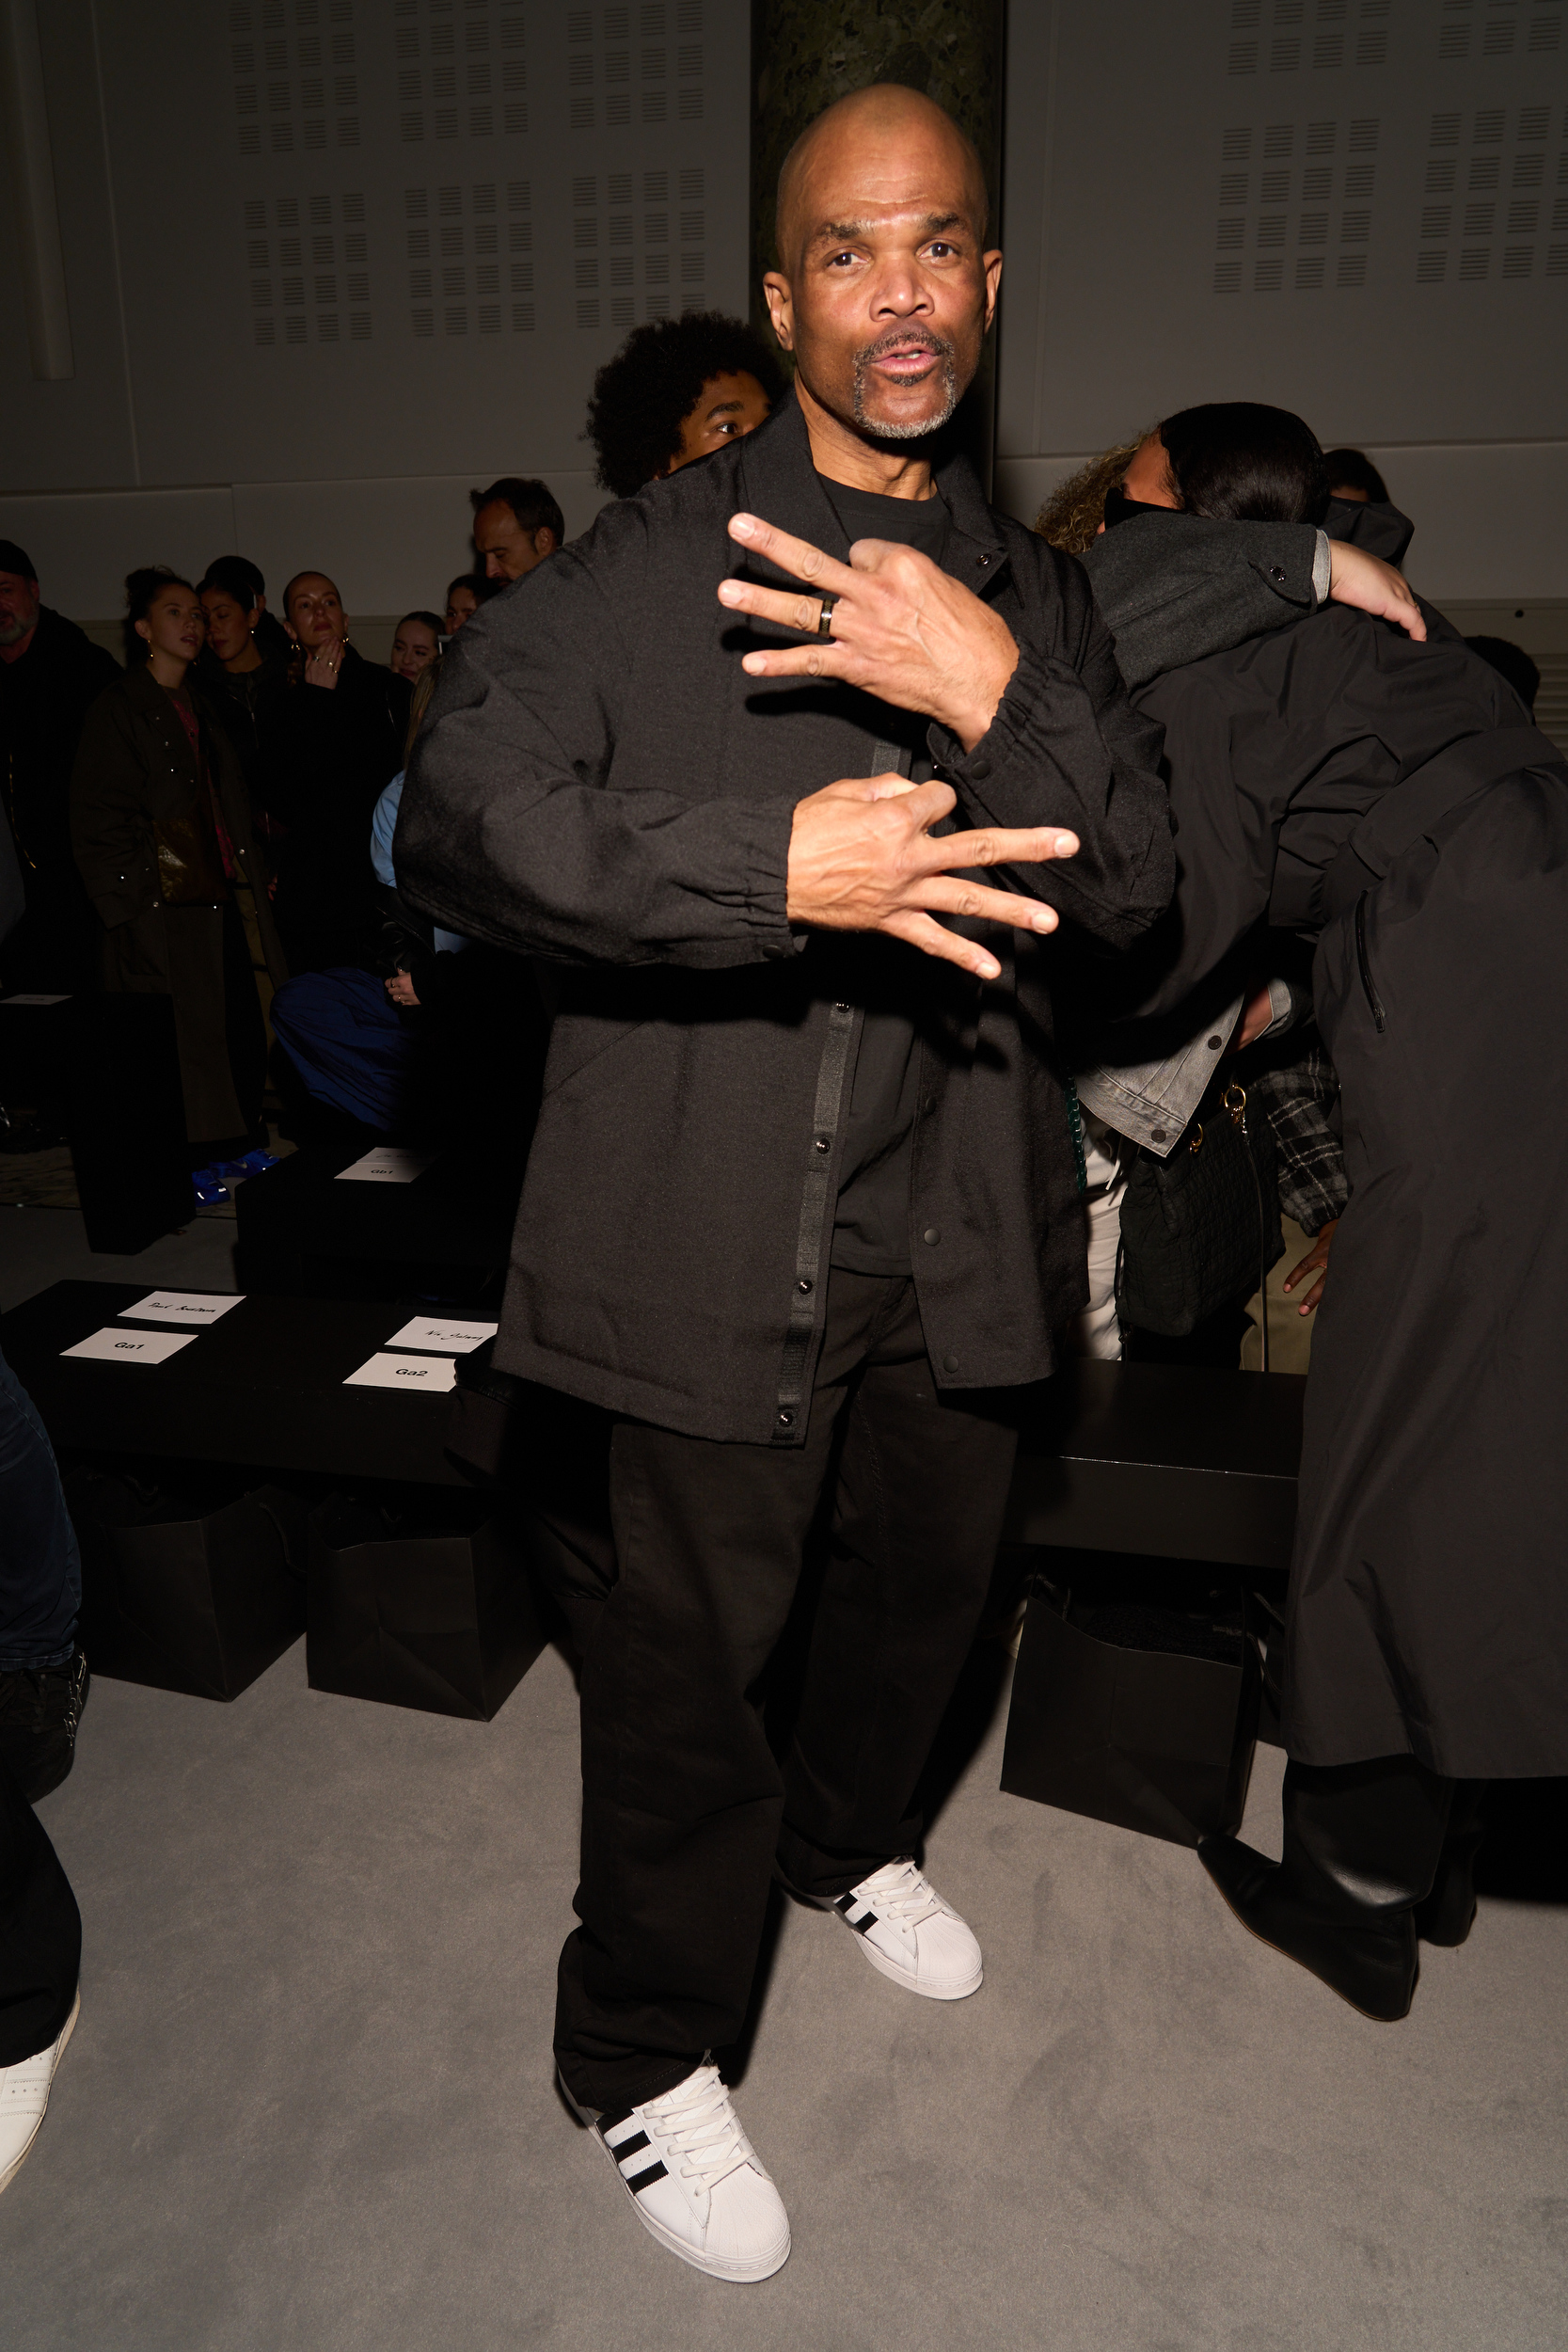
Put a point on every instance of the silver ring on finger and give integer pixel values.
(825, 617)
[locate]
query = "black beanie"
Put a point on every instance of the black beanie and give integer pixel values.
(13, 560)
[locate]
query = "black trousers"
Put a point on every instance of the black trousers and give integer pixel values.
(679, 1561)
(41, 1930)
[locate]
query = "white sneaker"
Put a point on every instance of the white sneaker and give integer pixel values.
(908, 1932)
(694, 2180)
(23, 2097)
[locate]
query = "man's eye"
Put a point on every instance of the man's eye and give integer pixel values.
(941, 251)
(837, 258)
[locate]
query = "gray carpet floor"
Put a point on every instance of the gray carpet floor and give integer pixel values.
(308, 2106)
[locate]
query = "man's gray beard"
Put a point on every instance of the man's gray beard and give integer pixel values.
(909, 431)
(13, 633)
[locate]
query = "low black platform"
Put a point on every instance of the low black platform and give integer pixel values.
(1172, 1464)
(1116, 1457)
(264, 1387)
(306, 1232)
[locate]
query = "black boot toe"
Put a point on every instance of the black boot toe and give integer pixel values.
(1371, 1965)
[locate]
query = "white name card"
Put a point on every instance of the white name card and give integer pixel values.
(430, 1374)
(389, 1165)
(28, 999)
(194, 1309)
(112, 1347)
(442, 1339)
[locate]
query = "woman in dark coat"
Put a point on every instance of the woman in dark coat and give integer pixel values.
(1391, 800)
(160, 828)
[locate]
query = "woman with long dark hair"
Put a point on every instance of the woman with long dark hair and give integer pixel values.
(160, 828)
(1389, 797)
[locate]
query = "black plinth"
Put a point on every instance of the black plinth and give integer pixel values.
(1165, 1461)
(306, 1232)
(262, 1385)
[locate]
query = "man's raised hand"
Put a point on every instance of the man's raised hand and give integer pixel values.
(861, 859)
(901, 629)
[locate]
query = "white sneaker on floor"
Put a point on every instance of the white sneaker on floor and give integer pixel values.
(694, 2180)
(24, 2098)
(908, 1932)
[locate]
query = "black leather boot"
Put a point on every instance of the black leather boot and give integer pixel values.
(1362, 1843)
(1449, 1912)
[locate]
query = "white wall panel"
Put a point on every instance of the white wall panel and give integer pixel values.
(83, 543)
(1359, 212)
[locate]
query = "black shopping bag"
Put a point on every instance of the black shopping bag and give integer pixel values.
(196, 1590)
(1131, 1709)
(428, 1605)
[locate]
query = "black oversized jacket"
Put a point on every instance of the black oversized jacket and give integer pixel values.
(603, 786)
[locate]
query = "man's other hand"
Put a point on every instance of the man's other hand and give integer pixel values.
(901, 629)
(1373, 587)
(861, 859)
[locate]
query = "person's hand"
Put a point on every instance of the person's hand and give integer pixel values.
(861, 859)
(1257, 1014)
(399, 989)
(1316, 1260)
(901, 629)
(323, 663)
(1373, 587)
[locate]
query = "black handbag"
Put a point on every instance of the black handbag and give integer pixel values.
(1201, 1230)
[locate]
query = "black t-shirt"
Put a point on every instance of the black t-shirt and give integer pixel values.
(871, 1226)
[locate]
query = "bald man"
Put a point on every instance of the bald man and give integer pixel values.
(789, 768)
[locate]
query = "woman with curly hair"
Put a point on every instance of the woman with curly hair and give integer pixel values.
(1073, 516)
(676, 390)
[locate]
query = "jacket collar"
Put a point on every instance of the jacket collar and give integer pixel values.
(777, 480)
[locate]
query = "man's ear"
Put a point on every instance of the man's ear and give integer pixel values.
(781, 307)
(547, 536)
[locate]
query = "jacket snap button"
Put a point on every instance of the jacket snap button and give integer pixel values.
(982, 560)
(802, 1285)
(1276, 571)
(1156, 1135)
(787, 1420)
(822, 1143)
(979, 766)
(932, 1234)
(950, 1363)
(1214, 1045)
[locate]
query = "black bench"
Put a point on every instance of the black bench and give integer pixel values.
(306, 1232)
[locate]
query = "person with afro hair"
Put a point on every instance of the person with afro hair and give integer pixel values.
(676, 390)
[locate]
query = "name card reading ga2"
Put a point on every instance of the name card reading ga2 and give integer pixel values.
(431, 1374)
(112, 1347)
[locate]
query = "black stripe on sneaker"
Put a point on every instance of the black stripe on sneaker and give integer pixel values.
(845, 1902)
(646, 2180)
(632, 2147)
(867, 1919)
(612, 2120)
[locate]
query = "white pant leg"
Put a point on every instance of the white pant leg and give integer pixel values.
(1095, 1331)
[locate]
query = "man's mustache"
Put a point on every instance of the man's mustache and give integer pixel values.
(908, 338)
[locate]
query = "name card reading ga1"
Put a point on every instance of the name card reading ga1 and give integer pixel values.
(110, 1347)
(431, 1374)
(389, 1165)
(443, 1338)
(195, 1307)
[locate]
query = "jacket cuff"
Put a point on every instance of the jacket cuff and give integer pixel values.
(759, 880)
(1323, 568)
(1026, 695)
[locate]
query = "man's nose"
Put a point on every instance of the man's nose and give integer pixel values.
(899, 291)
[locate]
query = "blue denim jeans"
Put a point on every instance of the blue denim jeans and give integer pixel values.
(40, 1569)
